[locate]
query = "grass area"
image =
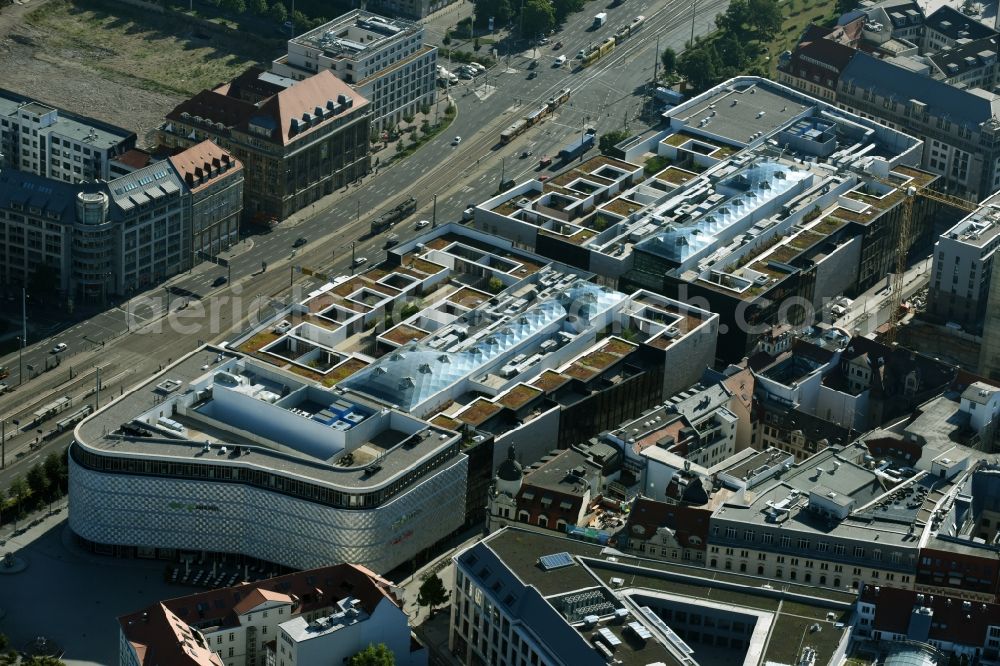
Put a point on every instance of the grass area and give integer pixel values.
(798, 15)
(154, 52)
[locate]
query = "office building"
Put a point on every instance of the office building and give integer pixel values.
(523, 597)
(383, 59)
(962, 268)
(251, 459)
(215, 180)
(297, 140)
(309, 618)
(766, 194)
(93, 240)
(52, 143)
(934, 77)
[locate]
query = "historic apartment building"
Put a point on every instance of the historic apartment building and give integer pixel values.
(45, 141)
(95, 240)
(308, 618)
(384, 59)
(932, 77)
(297, 140)
(215, 180)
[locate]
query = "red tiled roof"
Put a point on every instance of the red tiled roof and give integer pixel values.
(160, 638)
(228, 105)
(200, 164)
(312, 590)
(134, 158)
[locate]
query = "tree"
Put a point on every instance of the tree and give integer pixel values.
(766, 18)
(669, 60)
(698, 67)
(234, 6)
(373, 655)
(259, 7)
(278, 13)
(500, 10)
(37, 482)
(432, 592)
(736, 17)
(731, 52)
(18, 491)
(446, 40)
(495, 285)
(539, 17)
(564, 8)
(611, 139)
(55, 470)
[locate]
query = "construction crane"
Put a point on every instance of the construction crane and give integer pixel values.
(902, 247)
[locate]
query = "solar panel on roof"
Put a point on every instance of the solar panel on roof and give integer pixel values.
(609, 637)
(640, 630)
(555, 561)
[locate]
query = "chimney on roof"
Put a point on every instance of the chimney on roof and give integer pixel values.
(345, 100)
(189, 177)
(330, 104)
(318, 111)
(294, 126)
(216, 162)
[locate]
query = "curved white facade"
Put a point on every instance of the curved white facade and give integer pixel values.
(230, 517)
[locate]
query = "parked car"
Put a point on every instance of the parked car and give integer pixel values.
(580, 54)
(457, 140)
(560, 61)
(543, 41)
(532, 75)
(219, 281)
(300, 241)
(542, 179)
(533, 64)
(423, 223)
(59, 348)
(557, 46)
(358, 261)
(3, 388)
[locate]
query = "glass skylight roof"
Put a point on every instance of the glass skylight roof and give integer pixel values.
(415, 372)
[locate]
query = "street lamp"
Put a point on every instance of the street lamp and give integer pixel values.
(20, 361)
(434, 214)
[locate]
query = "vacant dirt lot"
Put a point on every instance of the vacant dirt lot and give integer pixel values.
(128, 68)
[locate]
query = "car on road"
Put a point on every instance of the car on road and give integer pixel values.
(3, 388)
(457, 140)
(59, 348)
(544, 162)
(557, 46)
(423, 223)
(219, 281)
(560, 61)
(542, 179)
(532, 75)
(300, 241)
(358, 261)
(391, 241)
(533, 64)
(580, 54)
(525, 154)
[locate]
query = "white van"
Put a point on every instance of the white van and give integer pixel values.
(560, 61)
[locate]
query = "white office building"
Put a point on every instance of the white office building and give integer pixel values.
(963, 264)
(222, 454)
(384, 59)
(45, 141)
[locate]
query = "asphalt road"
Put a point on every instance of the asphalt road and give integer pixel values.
(134, 340)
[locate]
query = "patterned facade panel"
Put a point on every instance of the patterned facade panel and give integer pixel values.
(158, 512)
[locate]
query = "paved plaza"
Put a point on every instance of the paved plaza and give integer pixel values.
(72, 597)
